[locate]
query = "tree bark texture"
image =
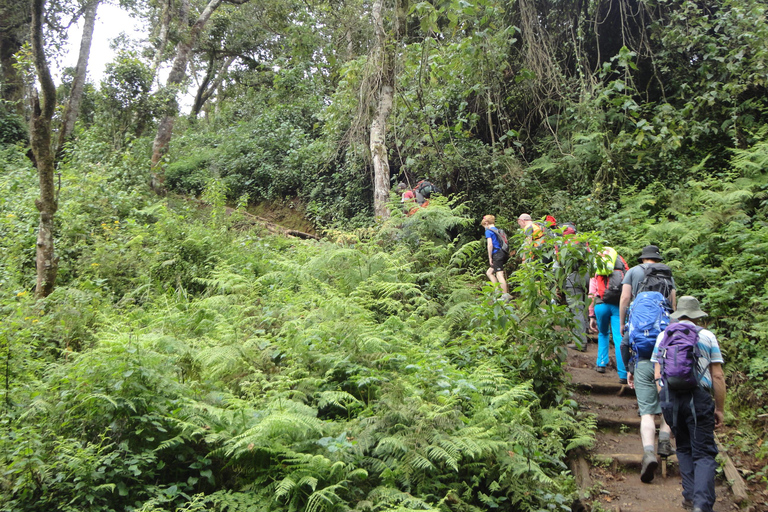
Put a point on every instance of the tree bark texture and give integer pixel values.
(175, 78)
(386, 92)
(40, 140)
(210, 83)
(162, 38)
(78, 83)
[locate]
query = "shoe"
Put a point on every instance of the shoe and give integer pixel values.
(600, 369)
(622, 381)
(665, 449)
(649, 467)
(687, 504)
(574, 346)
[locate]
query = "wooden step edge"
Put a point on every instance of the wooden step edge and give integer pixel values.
(631, 422)
(608, 388)
(627, 459)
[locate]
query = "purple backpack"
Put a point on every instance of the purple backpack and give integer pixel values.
(678, 356)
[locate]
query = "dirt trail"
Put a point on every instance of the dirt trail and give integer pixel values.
(612, 468)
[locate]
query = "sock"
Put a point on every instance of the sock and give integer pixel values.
(649, 449)
(663, 436)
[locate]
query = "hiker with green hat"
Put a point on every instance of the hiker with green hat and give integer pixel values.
(688, 368)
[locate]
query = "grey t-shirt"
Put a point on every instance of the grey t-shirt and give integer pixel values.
(636, 275)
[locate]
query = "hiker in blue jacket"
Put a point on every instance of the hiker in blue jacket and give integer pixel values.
(686, 394)
(640, 369)
(497, 257)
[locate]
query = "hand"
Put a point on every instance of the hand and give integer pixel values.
(622, 329)
(593, 324)
(631, 380)
(719, 418)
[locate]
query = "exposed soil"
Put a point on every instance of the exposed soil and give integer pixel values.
(612, 469)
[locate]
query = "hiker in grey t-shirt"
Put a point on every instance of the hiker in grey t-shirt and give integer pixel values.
(640, 376)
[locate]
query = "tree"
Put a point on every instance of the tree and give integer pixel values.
(78, 83)
(175, 78)
(384, 66)
(40, 140)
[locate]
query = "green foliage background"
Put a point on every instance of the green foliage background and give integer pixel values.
(190, 361)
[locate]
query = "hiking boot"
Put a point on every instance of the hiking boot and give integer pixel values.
(649, 467)
(622, 381)
(665, 448)
(600, 369)
(687, 504)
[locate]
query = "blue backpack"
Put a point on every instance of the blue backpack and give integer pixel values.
(648, 318)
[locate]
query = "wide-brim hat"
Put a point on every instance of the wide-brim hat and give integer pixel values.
(650, 252)
(689, 307)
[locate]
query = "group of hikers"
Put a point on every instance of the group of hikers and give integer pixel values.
(416, 197)
(674, 365)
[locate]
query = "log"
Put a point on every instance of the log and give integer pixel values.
(738, 487)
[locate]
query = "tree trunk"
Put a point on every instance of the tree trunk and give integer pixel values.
(207, 89)
(176, 76)
(386, 94)
(163, 38)
(379, 153)
(78, 84)
(40, 140)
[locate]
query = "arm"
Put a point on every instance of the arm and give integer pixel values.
(626, 297)
(673, 299)
(657, 376)
(490, 250)
(718, 386)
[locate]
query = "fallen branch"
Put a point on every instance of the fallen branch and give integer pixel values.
(738, 487)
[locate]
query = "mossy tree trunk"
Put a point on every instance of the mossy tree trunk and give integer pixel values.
(40, 141)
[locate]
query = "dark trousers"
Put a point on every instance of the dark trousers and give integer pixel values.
(694, 430)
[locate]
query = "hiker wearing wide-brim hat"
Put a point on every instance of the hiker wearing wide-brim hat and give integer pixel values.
(688, 307)
(688, 368)
(650, 252)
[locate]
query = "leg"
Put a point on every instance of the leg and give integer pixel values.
(502, 281)
(491, 273)
(616, 334)
(682, 443)
(574, 296)
(603, 314)
(703, 449)
(648, 405)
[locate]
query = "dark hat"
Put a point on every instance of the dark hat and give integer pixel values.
(401, 186)
(650, 252)
(688, 307)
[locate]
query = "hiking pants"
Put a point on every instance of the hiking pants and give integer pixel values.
(694, 430)
(607, 316)
(576, 286)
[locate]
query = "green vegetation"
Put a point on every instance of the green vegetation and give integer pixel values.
(188, 359)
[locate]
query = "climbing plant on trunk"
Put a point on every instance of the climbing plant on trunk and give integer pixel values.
(40, 141)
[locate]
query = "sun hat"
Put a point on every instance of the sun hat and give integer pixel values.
(688, 306)
(650, 252)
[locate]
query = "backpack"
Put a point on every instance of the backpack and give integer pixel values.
(658, 278)
(426, 188)
(609, 287)
(678, 356)
(502, 238)
(648, 317)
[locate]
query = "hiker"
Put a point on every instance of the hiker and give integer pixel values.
(576, 287)
(534, 234)
(423, 192)
(605, 294)
(408, 198)
(498, 252)
(648, 291)
(685, 390)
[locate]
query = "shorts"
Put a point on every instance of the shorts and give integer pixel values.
(645, 388)
(499, 259)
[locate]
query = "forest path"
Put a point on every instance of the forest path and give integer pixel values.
(613, 465)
